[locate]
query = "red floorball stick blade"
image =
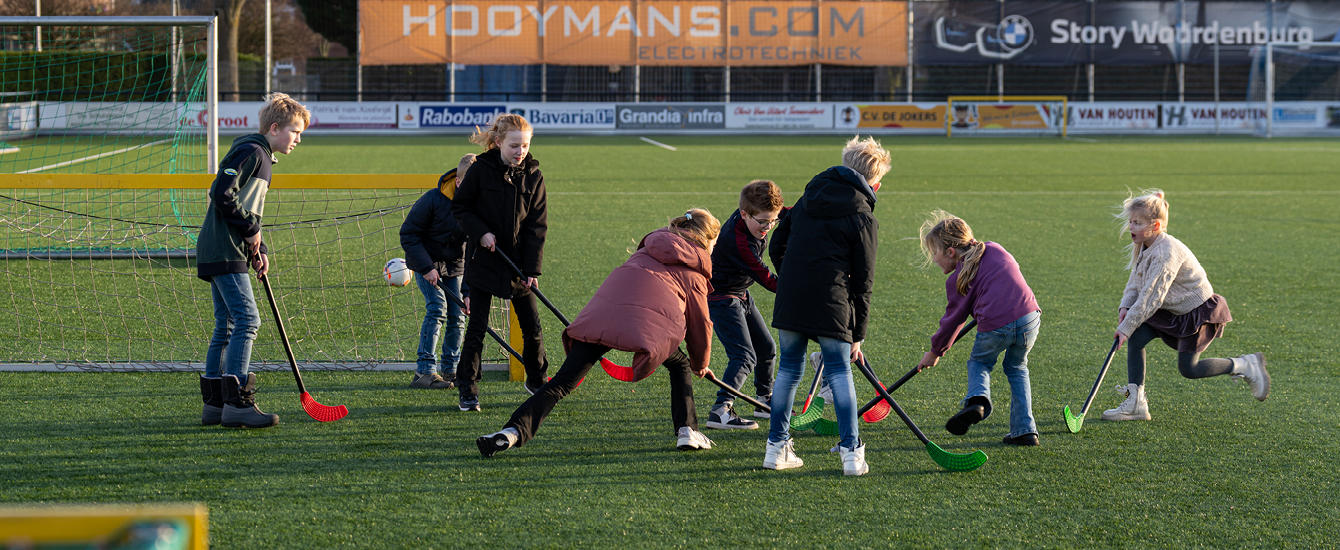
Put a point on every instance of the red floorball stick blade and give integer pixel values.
(579, 383)
(322, 413)
(877, 412)
(618, 372)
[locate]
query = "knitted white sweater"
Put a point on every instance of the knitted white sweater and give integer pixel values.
(1166, 276)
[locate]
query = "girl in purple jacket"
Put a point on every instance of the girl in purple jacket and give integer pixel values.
(985, 283)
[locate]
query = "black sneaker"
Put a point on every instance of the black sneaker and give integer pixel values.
(973, 412)
(469, 403)
(766, 400)
(535, 388)
(1026, 440)
(494, 443)
(723, 417)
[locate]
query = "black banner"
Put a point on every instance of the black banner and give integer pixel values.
(1112, 33)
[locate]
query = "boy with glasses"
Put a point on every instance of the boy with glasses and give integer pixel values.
(737, 263)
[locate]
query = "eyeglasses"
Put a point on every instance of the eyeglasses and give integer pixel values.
(765, 224)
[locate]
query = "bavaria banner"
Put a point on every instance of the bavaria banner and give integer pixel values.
(977, 32)
(633, 32)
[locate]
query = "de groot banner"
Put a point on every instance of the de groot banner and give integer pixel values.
(633, 32)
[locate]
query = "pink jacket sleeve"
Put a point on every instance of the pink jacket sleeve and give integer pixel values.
(698, 325)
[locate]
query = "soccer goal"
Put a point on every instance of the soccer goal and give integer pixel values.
(1296, 88)
(1006, 116)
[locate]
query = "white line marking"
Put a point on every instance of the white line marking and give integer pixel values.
(95, 157)
(658, 144)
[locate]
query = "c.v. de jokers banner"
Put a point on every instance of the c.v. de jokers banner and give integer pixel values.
(633, 32)
(1112, 33)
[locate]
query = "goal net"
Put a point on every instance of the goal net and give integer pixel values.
(102, 190)
(1006, 116)
(1296, 89)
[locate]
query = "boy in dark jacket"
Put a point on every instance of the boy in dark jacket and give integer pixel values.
(824, 252)
(737, 263)
(435, 252)
(229, 241)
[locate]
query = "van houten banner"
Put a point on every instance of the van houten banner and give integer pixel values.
(633, 32)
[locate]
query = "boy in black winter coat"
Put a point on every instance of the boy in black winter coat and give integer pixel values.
(435, 251)
(824, 253)
(229, 242)
(503, 208)
(737, 263)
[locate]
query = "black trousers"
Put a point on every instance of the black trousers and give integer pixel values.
(532, 340)
(1190, 365)
(527, 418)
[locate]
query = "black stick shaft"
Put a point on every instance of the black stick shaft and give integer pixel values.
(1116, 342)
(283, 334)
(818, 374)
(461, 303)
(884, 394)
(713, 379)
(536, 290)
(871, 404)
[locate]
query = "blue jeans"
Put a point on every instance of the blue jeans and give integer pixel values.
(748, 343)
(236, 321)
(1015, 339)
(440, 309)
(837, 371)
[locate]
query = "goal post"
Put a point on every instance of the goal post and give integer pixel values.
(1303, 74)
(1006, 115)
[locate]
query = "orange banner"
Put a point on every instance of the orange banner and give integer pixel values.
(647, 32)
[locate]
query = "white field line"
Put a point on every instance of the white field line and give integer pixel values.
(95, 157)
(658, 144)
(891, 192)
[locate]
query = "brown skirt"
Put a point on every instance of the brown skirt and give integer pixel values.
(1192, 331)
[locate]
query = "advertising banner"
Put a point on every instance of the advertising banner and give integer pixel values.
(780, 116)
(630, 32)
(566, 116)
(977, 32)
(670, 116)
(448, 115)
(890, 115)
(1112, 116)
(17, 119)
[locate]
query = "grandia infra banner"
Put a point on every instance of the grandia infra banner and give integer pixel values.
(633, 32)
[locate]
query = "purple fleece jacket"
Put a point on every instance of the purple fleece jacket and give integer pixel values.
(997, 296)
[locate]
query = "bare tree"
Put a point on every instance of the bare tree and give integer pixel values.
(230, 19)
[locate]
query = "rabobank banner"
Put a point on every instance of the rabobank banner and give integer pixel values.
(976, 32)
(448, 115)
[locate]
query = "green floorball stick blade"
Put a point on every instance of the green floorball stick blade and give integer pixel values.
(1075, 423)
(955, 462)
(805, 421)
(824, 426)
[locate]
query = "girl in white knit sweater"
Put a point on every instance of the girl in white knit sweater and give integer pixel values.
(1169, 297)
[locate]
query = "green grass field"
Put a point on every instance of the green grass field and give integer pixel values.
(1214, 469)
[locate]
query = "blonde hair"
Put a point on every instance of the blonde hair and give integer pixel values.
(942, 231)
(760, 196)
(867, 158)
(488, 138)
(697, 225)
(283, 110)
(1150, 204)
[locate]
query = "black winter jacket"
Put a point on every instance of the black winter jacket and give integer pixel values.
(430, 235)
(236, 204)
(737, 260)
(511, 203)
(824, 253)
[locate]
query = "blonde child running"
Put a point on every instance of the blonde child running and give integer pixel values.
(1169, 297)
(987, 284)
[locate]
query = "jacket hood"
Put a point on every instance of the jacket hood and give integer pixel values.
(664, 246)
(258, 139)
(838, 192)
(447, 184)
(494, 158)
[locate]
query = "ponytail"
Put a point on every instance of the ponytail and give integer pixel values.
(697, 226)
(942, 231)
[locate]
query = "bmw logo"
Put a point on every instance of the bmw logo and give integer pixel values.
(1016, 33)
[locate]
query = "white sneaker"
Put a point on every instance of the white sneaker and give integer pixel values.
(853, 461)
(691, 439)
(1252, 368)
(781, 455)
(1135, 407)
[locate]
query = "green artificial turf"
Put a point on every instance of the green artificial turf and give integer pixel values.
(1214, 469)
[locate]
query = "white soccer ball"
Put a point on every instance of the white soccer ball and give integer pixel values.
(396, 273)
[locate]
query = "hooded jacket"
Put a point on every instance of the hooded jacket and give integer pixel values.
(651, 303)
(510, 202)
(236, 203)
(824, 254)
(430, 235)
